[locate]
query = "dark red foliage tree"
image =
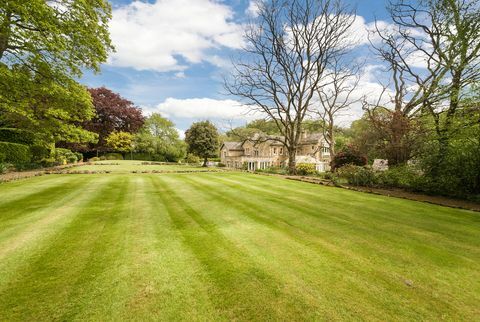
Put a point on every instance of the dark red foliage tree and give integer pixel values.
(348, 155)
(113, 113)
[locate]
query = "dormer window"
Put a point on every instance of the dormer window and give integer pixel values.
(274, 151)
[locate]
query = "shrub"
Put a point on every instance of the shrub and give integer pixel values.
(17, 154)
(94, 159)
(39, 152)
(305, 169)
(3, 167)
(113, 156)
(222, 165)
(349, 155)
(79, 156)
(357, 175)
(401, 177)
(2, 157)
(48, 162)
(192, 158)
(64, 156)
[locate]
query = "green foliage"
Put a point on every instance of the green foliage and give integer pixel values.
(202, 139)
(50, 107)
(3, 167)
(17, 154)
(406, 177)
(305, 169)
(113, 156)
(79, 156)
(94, 159)
(272, 170)
(120, 141)
(13, 135)
(357, 175)
(159, 138)
(64, 156)
(68, 36)
(39, 152)
(2, 157)
(192, 158)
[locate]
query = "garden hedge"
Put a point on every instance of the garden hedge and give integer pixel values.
(16, 136)
(15, 153)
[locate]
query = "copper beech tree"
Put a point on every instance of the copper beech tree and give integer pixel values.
(112, 114)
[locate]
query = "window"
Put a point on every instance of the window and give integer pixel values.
(274, 151)
(224, 153)
(313, 147)
(281, 151)
(247, 151)
(255, 153)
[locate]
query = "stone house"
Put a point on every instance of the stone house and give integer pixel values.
(261, 152)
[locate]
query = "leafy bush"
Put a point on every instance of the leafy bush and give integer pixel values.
(3, 167)
(94, 159)
(192, 158)
(64, 156)
(48, 162)
(113, 156)
(79, 156)
(349, 155)
(273, 170)
(2, 157)
(400, 177)
(17, 154)
(39, 152)
(305, 169)
(357, 175)
(222, 165)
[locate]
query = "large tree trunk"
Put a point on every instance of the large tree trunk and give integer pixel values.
(292, 170)
(205, 160)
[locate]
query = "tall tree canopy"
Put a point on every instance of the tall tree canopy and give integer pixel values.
(44, 45)
(66, 35)
(159, 138)
(113, 113)
(202, 140)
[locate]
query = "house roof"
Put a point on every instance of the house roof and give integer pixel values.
(233, 145)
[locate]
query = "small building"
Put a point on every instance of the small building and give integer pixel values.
(264, 151)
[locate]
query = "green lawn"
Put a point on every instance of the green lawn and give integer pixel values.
(229, 246)
(121, 166)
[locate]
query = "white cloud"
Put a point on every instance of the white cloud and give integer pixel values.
(153, 36)
(253, 9)
(204, 108)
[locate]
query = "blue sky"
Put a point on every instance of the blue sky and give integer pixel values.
(172, 54)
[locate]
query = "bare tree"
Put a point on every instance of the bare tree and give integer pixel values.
(335, 96)
(445, 34)
(393, 111)
(289, 47)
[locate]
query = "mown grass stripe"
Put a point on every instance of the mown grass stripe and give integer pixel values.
(303, 234)
(78, 268)
(232, 272)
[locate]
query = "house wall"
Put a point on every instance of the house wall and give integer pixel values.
(270, 153)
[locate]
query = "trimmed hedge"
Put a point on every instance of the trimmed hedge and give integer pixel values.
(15, 153)
(16, 136)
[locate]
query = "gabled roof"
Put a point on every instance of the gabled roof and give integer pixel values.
(233, 146)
